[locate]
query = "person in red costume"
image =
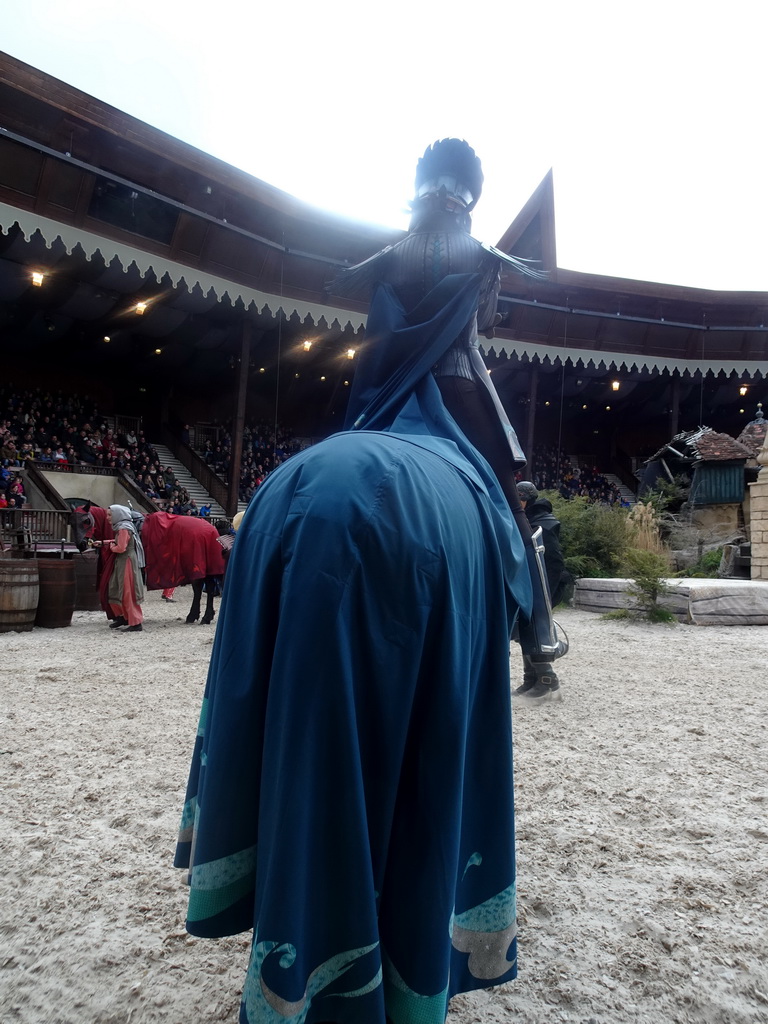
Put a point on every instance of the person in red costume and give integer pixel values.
(126, 585)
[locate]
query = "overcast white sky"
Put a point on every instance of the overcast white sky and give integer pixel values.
(651, 114)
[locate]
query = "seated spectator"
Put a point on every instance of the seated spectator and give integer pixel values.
(9, 451)
(16, 494)
(145, 483)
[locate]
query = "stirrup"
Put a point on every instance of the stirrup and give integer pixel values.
(539, 637)
(555, 644)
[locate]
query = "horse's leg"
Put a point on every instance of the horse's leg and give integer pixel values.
(210, 611)
(197, 592)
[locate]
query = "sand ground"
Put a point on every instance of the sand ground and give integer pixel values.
(642, 830)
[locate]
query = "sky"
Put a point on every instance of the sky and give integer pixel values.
(651, 115)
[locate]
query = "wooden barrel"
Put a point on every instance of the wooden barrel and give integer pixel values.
(57, 592)
(87, 598)
(19, 593)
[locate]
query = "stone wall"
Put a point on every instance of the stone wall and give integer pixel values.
(758, 507)
(718, 523)
(698, 602)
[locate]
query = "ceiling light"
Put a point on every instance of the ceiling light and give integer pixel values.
(107, 338)
(350, 353)
(140, 308)
(615, 385)
(158, 351)
(37, 278)
(743, 390)
(307, 346)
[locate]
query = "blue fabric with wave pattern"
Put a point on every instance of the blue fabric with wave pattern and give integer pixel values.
(351, 786)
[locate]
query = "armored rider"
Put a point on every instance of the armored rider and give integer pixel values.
(438, 244)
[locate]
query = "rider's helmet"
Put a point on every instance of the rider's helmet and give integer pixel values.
(449, 179)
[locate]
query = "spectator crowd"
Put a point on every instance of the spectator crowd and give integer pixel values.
(553, 470)
(265, 447)
(42, 427)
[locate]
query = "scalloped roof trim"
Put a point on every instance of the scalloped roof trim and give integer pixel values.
(629, 362)
(265, 303)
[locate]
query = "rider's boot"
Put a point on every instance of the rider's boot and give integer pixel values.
(545, 688)
(529, 678)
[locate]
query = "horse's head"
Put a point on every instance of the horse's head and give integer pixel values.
(83, 525)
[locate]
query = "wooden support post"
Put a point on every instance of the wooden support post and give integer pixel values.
(674, 404)
(530, 426)
(238, 425)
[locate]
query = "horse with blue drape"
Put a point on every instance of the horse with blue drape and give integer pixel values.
(351, 793)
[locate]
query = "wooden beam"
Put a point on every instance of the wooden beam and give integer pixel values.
(246, 334)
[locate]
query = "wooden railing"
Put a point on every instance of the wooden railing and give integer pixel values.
(26, 527)
(75, 467)
(198, 467)
(127, 424)
(623, 466)
(36, 476)
(206, 432)
(138, 498)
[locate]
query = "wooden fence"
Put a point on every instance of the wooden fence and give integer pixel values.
(28, 528)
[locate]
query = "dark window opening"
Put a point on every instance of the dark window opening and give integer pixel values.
(125, 208)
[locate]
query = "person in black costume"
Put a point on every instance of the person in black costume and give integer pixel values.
(540, 681)
(439, 245)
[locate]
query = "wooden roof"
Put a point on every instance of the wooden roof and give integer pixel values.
(705, 445)
(116, 210)
(583, 318)
(753, 435)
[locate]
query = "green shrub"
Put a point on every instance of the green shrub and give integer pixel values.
(707, 566)
(593, 536)
(647, 570)
(668, 495)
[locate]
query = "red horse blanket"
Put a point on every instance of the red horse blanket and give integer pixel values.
(180, 549)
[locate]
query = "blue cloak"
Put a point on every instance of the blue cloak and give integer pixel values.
(351, 793)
